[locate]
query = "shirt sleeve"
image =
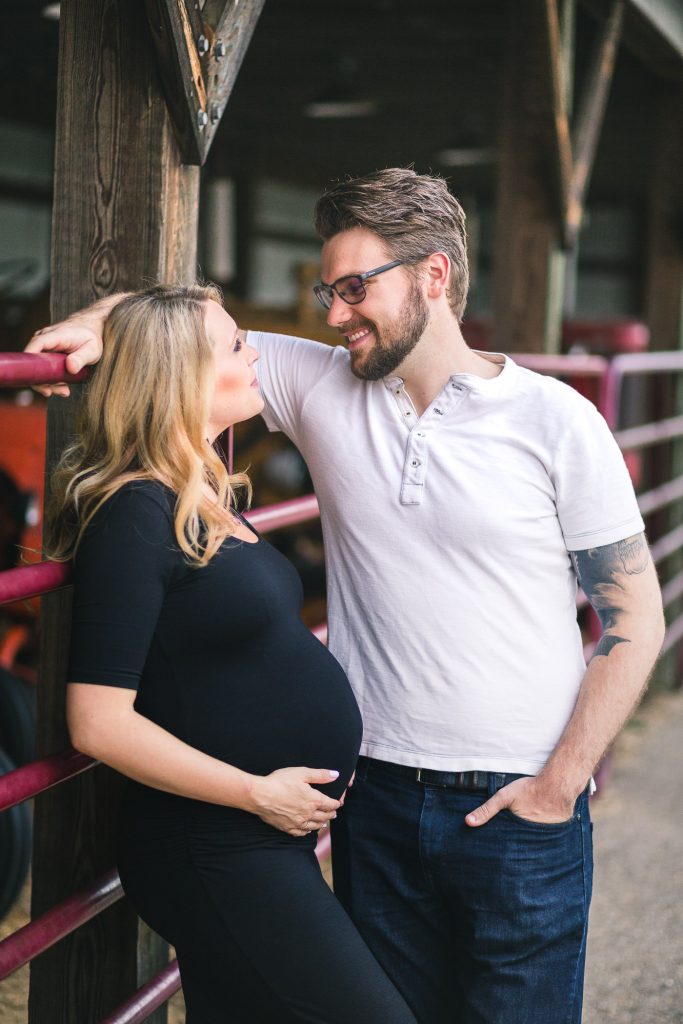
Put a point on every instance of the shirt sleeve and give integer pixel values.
(596, 503)
(288, 369)
(122, 570)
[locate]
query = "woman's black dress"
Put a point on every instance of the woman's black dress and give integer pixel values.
(220, 658)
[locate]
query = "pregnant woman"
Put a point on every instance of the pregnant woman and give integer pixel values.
(192, 673)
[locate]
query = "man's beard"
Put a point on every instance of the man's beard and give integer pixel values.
(400, 339)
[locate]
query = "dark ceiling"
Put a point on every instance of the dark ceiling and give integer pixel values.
(433, 72)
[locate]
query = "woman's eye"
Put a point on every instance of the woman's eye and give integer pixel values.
(238, 345)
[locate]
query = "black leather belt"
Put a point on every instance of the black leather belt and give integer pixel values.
(470, 781)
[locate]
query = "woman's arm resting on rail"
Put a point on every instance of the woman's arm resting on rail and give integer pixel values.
(620, 581)
(80, 336)
(104, 724)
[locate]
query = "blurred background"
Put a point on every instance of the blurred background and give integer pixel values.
(474, 90)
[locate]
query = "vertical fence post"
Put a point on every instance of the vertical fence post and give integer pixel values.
(124, 214)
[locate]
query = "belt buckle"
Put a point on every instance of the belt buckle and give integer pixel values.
(427, 781)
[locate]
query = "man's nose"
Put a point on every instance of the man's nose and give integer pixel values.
(339, 312)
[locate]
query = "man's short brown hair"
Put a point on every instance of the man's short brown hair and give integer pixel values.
(413, 214)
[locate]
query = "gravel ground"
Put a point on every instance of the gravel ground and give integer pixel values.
(635, 941)
(635, 945)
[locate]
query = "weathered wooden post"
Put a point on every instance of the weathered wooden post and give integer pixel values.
(533, 174)
(125, 214)
(544, 168)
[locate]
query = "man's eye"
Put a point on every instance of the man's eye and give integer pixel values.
(353, 288)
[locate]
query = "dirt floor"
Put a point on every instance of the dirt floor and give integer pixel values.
(635, 948)
(635, 939)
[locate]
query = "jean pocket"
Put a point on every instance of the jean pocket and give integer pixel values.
(546, 826)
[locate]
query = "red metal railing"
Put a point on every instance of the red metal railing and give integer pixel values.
(19, 369)
(30, 780)
(37, 936)
(22, 369)
(32, 580)
(669, 429)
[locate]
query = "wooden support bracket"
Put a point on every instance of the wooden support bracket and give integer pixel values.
(199, 55)
(562, 148)
(574, 150)
(590, 116)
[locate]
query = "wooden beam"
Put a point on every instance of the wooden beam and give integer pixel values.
(528, 269)
(233, 35)
(199, 63)
(177, 32)
(124, 214)
(212, 11)
(558, 71)
(590, 116)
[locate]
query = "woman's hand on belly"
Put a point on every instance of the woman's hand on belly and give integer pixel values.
(286, 799)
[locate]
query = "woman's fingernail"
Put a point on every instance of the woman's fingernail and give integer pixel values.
(333, 774)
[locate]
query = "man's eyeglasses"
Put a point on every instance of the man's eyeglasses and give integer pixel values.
(351, 288)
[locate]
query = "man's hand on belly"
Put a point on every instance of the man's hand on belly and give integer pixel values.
(531, 798)
(286, 799)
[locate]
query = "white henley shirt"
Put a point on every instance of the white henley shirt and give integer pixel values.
(451, 594)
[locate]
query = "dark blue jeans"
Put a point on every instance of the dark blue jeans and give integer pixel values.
(474, 925)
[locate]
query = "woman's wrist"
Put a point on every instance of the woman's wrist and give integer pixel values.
(246, 788)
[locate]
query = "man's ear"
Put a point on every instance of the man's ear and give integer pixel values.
(437, 273)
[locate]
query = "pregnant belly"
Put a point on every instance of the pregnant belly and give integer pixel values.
(302, 726)
(262, 717)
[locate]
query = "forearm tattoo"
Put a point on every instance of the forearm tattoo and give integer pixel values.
(603, 573)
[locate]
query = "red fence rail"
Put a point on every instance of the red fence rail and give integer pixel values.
(30, 780)
(23, 369)
(37, 936)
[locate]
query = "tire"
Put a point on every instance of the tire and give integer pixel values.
(17, 718)
(16, 830)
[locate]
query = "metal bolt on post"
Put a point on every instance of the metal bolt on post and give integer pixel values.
(219, 49)
(202, 119)
(203, 45)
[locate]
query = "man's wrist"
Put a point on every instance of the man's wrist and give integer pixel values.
(95, 314)
(563, 785)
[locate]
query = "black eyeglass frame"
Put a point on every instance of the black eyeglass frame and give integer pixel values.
(322, 291)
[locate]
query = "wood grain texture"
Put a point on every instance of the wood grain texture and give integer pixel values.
(527, 284)
(125, 215)
(198, 85)
(590, 115)
(557, 75)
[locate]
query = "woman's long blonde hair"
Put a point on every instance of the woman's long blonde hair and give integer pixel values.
(143, 416)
